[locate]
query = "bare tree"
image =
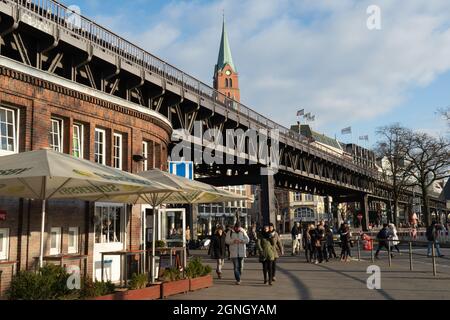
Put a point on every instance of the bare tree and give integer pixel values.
(445, 113)
(430, 160)
(392, 149)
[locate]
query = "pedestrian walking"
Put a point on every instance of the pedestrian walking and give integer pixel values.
(383, 239)
(393, 237)
(278, 246)
(296, 233)
(217, 249)
(253, 236)
(307, 243)
(322, 253)
(432, 233)
(227, 246)
(315, 244)
(267, 254)
(188, 240)
(345, 237)
(330, 242)
(237, 239)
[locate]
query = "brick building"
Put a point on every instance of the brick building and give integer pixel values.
(41, 110)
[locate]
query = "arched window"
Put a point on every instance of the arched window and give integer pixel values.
(226, 82)
(230, 82)
(304, 214)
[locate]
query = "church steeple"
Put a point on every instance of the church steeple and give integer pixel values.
(226, 78)
(225, 56)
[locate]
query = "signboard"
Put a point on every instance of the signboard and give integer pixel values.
(183, 169)
(2, 215)
(166, 262)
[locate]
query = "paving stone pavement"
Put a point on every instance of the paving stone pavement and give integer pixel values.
(298, 280)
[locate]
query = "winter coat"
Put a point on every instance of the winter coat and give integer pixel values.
(266, 249)
(217, 246)
(237, 250)
(295, 232)
(329, 238)
(394, 237)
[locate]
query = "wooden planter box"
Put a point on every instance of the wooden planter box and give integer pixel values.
(150, 293)
(174, 287)
(200, 282)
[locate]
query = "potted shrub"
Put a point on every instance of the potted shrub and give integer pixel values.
(139, 289)
(173, 283)
(199, 275)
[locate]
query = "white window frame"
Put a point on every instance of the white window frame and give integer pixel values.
(117, 151)
(80, 128)
(145, 155)
(102, 212)
(4, 253)
(103, 146)
(57, 231)
(76, 236)
(16, 116)
(60, 134)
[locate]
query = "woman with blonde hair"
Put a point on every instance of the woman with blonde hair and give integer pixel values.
(393, 237)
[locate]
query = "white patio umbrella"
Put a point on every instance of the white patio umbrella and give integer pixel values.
(46, 174)
(188, 192)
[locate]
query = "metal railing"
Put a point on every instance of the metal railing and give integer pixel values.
(84, 28)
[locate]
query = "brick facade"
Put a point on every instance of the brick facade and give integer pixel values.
(38, 101)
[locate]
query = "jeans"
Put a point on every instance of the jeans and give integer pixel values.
(237, 265)
(220, 263)
(437, 248)
(295, 246)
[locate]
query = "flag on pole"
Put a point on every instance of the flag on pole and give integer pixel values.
(313, 118)
(366, 137)
(300, 112)
(308, 116)
(347, 130)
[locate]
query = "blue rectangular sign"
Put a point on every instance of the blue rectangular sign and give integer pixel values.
(183, 169)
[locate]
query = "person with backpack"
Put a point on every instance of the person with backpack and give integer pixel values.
(267, 253)
(237, 239)
(382, 238)
(217, 250)
(431, 235)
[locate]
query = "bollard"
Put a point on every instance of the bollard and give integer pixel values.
(359, 250)
(433, 255)
(389, 252)
(410, 256)
(371, 251)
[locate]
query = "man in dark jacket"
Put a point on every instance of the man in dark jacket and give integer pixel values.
(217, 249)
(431, 234)
(382, 238)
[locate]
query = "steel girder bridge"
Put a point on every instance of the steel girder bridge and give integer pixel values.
(48, 38)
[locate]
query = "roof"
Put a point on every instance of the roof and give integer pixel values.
(445, 195)
(224, 51)
(319, 137)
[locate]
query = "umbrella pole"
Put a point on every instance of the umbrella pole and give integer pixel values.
(153, 244)
(41, 254)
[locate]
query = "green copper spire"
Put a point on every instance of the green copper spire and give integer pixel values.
(224, 51)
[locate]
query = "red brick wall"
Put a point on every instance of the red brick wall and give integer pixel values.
(38, 101)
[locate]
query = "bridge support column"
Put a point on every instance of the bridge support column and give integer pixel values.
(268, 211)
(364, 204)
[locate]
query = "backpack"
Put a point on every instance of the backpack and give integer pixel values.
(430, 233)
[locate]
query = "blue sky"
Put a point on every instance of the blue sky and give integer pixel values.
(312, 54)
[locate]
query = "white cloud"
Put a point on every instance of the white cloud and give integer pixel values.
(315, 54)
